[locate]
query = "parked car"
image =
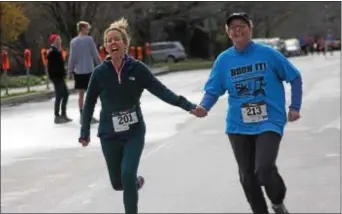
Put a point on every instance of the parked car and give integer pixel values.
(261, 41)
(278, 44)
(292, 47)
(167, 51)
(275, 43)
(336, 45)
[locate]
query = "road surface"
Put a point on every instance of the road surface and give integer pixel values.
(187, 162)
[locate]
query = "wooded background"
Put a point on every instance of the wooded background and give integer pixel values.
(198, 25)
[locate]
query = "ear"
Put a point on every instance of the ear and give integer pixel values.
(227, 31)
(251, 31)
(226, 28)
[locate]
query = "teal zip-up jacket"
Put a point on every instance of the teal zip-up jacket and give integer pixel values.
(119, 91)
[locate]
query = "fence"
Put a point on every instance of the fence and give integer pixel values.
(140, 53)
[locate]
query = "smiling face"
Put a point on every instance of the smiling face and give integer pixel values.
(239, 31)
(115, 44)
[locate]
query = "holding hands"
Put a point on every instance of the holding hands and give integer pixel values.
(199, 111)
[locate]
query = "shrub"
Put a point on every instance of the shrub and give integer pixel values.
(20, 81)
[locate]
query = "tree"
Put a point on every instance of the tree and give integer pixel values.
(65, 15)
(13, 21)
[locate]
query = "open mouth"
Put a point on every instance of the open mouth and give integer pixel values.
(115, 49)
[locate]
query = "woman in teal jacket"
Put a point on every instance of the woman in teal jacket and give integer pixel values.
(119, 83)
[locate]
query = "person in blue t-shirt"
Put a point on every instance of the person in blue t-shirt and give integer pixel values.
(253, 76)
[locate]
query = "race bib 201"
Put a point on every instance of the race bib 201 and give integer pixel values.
(122, 120)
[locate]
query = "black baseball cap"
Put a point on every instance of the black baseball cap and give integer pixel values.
(241, 15)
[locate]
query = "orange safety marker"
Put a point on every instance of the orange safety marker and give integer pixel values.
(43, 54)
(147, 49)
(64, 54)
(140, 53)
(132, 51)
(5, 61)
(27, 58)
(5, 66)
(102, 53)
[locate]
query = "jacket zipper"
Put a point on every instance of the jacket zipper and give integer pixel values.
(118, 72)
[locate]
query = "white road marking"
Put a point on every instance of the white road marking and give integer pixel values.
(332, 155)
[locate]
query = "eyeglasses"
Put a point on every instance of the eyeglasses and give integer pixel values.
(237, 26)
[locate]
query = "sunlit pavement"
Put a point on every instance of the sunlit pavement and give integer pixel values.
(187, 162)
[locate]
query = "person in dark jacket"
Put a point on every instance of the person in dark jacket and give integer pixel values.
(57, 73)
(119, 83)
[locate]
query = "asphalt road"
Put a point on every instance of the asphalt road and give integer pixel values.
(188, 163)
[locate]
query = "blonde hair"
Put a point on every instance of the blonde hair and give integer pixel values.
(121, 26)
(82, 24)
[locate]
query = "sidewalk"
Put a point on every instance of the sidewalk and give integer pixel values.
(42, 93)
(36, 88)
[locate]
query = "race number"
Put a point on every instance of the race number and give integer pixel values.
(254, 112)
(122, 120)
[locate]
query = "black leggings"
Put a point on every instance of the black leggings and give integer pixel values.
(256, 156)
(61, 96)
(123, 158)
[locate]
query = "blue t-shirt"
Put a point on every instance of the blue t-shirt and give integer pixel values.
(254, 79)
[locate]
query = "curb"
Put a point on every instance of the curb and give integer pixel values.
(37, 97)
(46, 95)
